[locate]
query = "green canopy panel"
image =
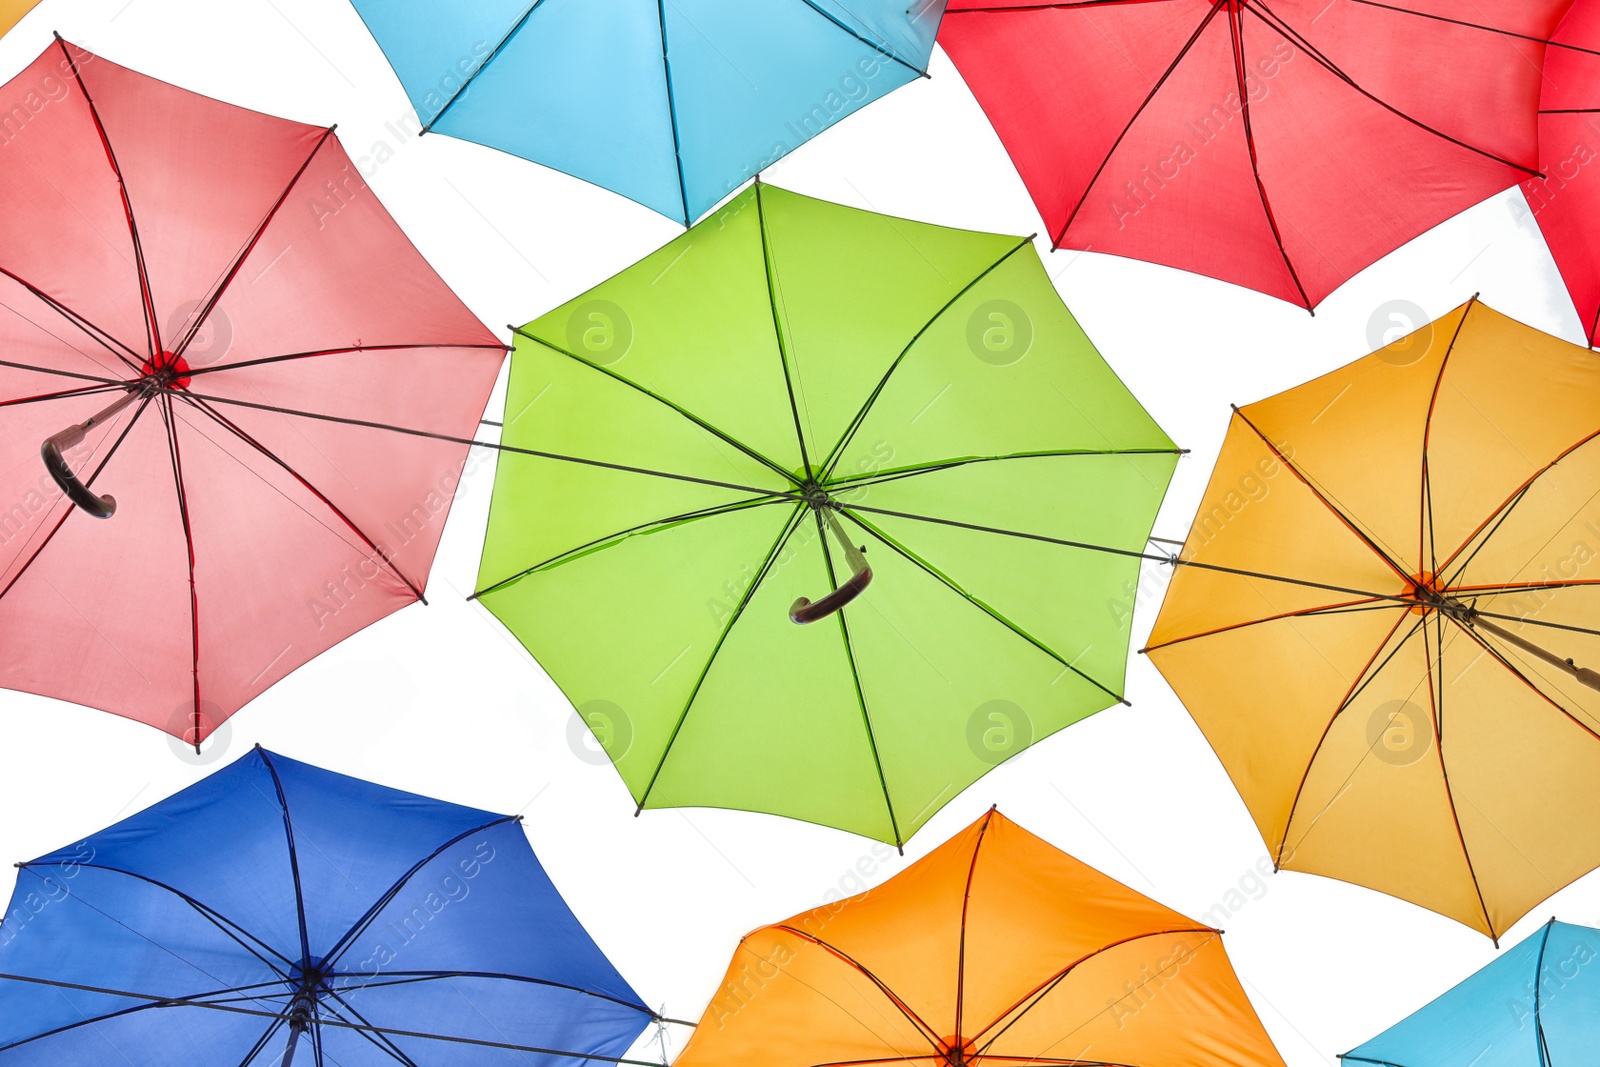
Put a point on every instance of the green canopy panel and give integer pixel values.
(704, 420)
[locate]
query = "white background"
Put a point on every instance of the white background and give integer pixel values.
(440, 700)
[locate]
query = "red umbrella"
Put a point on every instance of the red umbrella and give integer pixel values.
(174, 556)
(1282, 146)
(1566, 200)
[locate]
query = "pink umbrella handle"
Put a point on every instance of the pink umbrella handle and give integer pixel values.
(805, 611)
(101, 507)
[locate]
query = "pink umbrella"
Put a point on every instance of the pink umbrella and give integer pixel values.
(175, 554)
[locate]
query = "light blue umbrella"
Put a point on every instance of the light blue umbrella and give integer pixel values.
(1538, 1005)
(672, 103)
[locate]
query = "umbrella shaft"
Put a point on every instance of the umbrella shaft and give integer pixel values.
(1583, 675)
(294, 1041)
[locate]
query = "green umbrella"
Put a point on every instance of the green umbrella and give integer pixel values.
(793, 407)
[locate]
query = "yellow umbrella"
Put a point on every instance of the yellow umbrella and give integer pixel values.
(11, 12)
(1387, 618)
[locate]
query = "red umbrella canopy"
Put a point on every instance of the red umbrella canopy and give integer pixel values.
(172, 270)
(1566, 199)
(1282, 145)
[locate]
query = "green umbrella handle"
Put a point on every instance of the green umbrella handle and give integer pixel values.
(101, 507)
(1582, 674)
(805, 611)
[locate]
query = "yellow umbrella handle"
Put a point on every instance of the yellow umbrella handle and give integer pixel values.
(1582, 674)
(804, 611)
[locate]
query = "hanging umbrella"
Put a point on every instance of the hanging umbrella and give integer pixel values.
(1538, 1004)
(164, 259)
(1387, 624)
(673, 105)
(11, 12)
(276, 913)
(796, 407)
(1281, 146)
(1565, 198)
(995, 949)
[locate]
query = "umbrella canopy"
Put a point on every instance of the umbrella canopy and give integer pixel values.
(673, 105)
(787, 391)
(1281, 146)
(1566, 198)
(995, 949)
(170, 267)
(11, 12)
(1538, 1004)
(1387, 625)
(277, 910)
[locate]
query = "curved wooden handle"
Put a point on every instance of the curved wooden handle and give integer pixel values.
(101, 507)
(805, 611)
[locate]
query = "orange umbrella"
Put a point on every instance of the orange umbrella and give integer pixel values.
(995, 949)
(1385, 626)
(11, 12)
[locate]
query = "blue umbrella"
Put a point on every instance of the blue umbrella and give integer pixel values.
(1538, 1005)
(672, 103)
(275, 908)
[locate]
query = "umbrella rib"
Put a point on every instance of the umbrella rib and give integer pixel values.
(200, 404)
(658, 398)
(933, 573)
(262, 1042)
(294, 855)
(672, 110)
(514, 450)
(491, 57)
(961, 949)
(340, 1024)
(1155, 89)
(691, 516)
(1500, 514)
(789, 528)
(147, 299)
(347, 351)
(1036, 996)
(1236, 33)
(398, 978)
(876, 46)
(872, 478)
(1305, 480)
(777, 325)
(1299, 613)
(1436, 697)
(169, 421)
(1261, 11)
(70, 511)
(1430, 550)
(111, 344)
(236, 933)
(905, 1009)
(149, 1002)
(1476, 26)
(85, 390)
(244, 253)
(380, 1040)
(1525, 680)
(855, 677)
(64, 373)
(1538, 995)
(344, 943)
(1365, 677)
(855, 424)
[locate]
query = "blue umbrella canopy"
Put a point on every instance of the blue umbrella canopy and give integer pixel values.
(1538, 1005)
(276, 912)
(673, 105)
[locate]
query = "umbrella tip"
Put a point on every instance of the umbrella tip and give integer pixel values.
(1126, 702)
